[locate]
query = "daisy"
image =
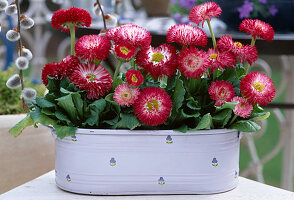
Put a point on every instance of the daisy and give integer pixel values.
(125, 95)
(63, 18)
(69, 63)
(95, 79)
(204, 12)
(193, 62)
(124, 51)
(243, 108)
(221, 92)
(92, 47)
(220, 60)
(186, 35)
(134, 77)
(153, 106)
(257, 88)
(257, 28)
(50, 69)
(158, 61)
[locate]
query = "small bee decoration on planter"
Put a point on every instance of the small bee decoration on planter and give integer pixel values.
(112, 162)
(68, 178)
(74, 138)
(169, 140)
(236, 174)
(214, 162)
(161, 181)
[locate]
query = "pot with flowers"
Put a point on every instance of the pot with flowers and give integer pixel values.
(170, 125)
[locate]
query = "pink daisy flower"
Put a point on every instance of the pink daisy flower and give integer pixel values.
(186, 35)
(193, 62)
(221, 92)
(132, 34)
(257, 28)
(243, 108)
(153, 106)
(50, 69)
(95, 79)
(257, 88)
(220, 60)
(158, 61)
(124, 51)
(70, 63)
(110, 34)
(125, 95)
(244, 52)
(92, 47)
(204, 12)
(134, 77)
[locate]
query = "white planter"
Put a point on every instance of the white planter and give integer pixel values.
(115, 162)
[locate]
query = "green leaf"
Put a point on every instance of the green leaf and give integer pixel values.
(20, 126)
(183, 128)
(79, 103)
(48, 111)
(245, 126)
(61, 116)
(193, 104)
(205, 122)
(38, 117)
(64, 131)
(96, 108)
(227, 105)
(221, 115)
(43, 103)
(67, 104)
(64, 83)
(260, 116)
(111, 122)
(129, 121)
(185, 115)
(53, 84)
(179, 94)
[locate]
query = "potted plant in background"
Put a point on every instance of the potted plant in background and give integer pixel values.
(170, 125)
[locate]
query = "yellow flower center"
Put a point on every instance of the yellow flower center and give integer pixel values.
(127, 96)
(157, 57)
(152, 105)
(124, 50)
(91, 77)
(238, 44)
(260, 26)
(134, 78)
(213, 56)
(258, 86)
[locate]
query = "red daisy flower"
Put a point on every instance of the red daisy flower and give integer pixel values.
(50, 69)
(243, 108)
(95, 79)
(257, 88)
(221, 92)
(134, 77)
(204, 12)
(130, 33)
(186, 34)
(158, 61)
(244, 52)
(76, 16)
(193, 62)
(124, 51)
(69, 63)
(153, 106)
(220, 60)
(92, 47)
(257, 28)
(125, 95)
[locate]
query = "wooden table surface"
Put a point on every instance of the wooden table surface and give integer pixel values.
(44, 188)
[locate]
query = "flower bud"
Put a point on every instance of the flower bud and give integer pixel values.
(13, 82)
(26, 22)
(11, 9)
(13, 35)
(110, 20)
(26, 53)
(28, 93)
(22, 63)
(3, 4)
(96, 10)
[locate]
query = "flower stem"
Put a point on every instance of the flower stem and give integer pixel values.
(116, 71)
(234, 118)
(212, 34)
(72, 30)
(247, 63)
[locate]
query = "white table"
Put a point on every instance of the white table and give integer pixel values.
(44, 188)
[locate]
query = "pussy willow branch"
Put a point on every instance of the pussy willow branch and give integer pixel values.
(20, 52)
(102, 12)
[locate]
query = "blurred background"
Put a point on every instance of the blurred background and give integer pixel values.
(266, 156)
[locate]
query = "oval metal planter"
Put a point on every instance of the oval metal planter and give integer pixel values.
(124, 162)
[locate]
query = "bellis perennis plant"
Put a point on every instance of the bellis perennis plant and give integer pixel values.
(183, 89)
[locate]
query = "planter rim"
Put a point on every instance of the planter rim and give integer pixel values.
(82, 131)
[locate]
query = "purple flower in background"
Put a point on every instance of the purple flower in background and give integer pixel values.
(177, 17)
(246, 9)
(263, 1)
(173, 1)
(273, 10)
(188, 4)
